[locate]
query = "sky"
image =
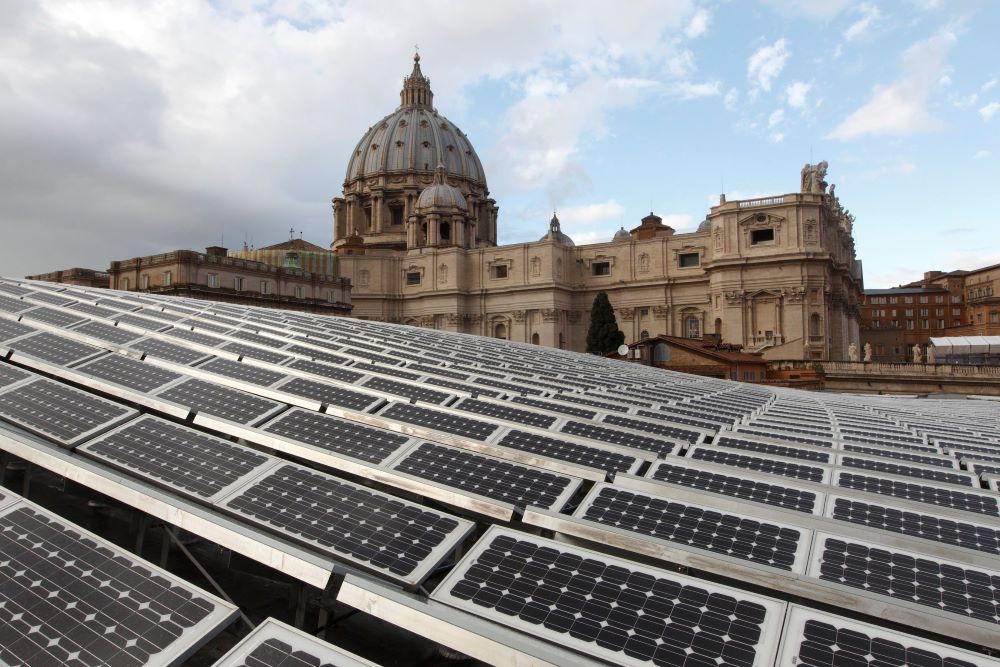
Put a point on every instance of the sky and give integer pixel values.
(132, 128)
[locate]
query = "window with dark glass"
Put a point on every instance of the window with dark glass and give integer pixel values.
(413, 278)
(688, 259)
(600, 268)
(761, 236)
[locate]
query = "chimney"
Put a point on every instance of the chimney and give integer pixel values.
(216, 251)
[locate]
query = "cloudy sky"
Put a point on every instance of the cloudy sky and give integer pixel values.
(129, 128)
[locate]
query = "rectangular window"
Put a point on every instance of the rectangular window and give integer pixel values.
(909, 324)
(956, 298)
(688, 259)
(644, 312)
(877, 324)
(265, 287)
(909, 312)
(939, 298)
(168, 278)
(124, 284)
(956, 312)
(908, 299)
(761, 236)
(956, 323)
(923, 299)
(893, 299)
(298, 291)
(923, 312)
(939, 311)
(396, 213)
(331, 297)
(940, 324)
(994, 317)
(498, 272)
(213, 280)
(600, 269)
(239, 284)
(926, 324)
(144, 281)
(413, 278)
(894, 324)
(894, 312)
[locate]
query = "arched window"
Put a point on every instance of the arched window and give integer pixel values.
(643, 335)
(815, 325)
(445, 229)
(534, 339)
(661, 353)
(692, 327)
(718, 326)
(500, 331)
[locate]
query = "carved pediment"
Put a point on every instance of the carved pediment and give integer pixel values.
(761, 219)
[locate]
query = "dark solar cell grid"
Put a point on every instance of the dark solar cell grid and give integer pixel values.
(52, 316)
(337, 435)
(371, 356)
(591, 457)
(10, 329)
(161, 349)
(615, 436)
(868, 436)
(218, 401)
(782, 435)
(195, 337)
(555, 407)
(385, 370)
(915, 524)
(130, 373)
(9, 305)
(242, 371)
(160, 315)
(736, 487)
(986, 469)
(67, 600)
(251, 337)
(943, 476)
(440, 421)
(954, 498)
(381, 531)
(9, 375)
(92, 310)
(505, 412)
(970, 593)
(269, 356)
(57, 411)
(14, 289)
(276, 653)
(53, 299)
(437, 370)
(727, 534)
(610, 608)
(176, 456)
(54, 348)
(410, 391)
(603, 405)
(199, 325)
(518, 389)
(317, 354)
(965, 449)
(319, 342)
(824, 645)
(681, 417)
(328, 394)
(494, 478)
(682, 434)
(460, 386)
(141, 322)
(325, 370)
(107, 332)
(899, 455)
(775, 450)
(627, 398)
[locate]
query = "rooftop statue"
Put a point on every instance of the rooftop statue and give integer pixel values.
(814, 178)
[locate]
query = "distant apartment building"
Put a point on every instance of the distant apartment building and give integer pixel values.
(75, 276)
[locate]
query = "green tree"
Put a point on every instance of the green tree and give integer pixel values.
(603, 335)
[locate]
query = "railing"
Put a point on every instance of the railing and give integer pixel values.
(766, 201)
(914, 370)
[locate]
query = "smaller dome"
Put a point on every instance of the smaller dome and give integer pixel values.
(440, 195)
(622, 236)
(705, 226)
(555, 233)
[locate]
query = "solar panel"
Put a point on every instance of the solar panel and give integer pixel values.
(776, 450)
(329, 433)
(617, 437)
(48, 297)
(406, 390)
(439, 421)
(93, 311)
(106, 332)
(756, 463)
(505, 412)
(564, 450)
(675, 432)
(194, 337)
(161, 349)
(610, 608)
(934, 474)
(240, 371)
(224, 402)
(59, 412)
(141, 322)
(274, 644)
(10, 329)
(10, 375)
(508, 482)
(968, 501)
(945, 585)
(735, 486)
(269, 356)
(9, 305)
(770, 543)
(814, 638)
(69, 597)
(555, 407)
(55, 349)
(378, 531)
(959, 533)
(325, 370)
(127, 372)
(180, 458)
(329, 394)
(901, 455)
(317, 354)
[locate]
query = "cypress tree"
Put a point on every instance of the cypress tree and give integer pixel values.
(603, 335)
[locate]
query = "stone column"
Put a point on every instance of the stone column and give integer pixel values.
(350, 215)
(377, 213)
(458, 230)
(433, 229)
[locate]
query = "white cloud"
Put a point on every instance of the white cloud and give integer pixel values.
(822, 10)
(870, 17)
(776, 117)
(981, 154)
(590, 214)
(687, 90)
(899, 108)
(766, 63)
(988, 111)
(776, 137)
(796, 94)
(698, 23)
(988, 85)
(729, 101)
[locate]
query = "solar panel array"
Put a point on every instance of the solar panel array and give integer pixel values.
(377, 445)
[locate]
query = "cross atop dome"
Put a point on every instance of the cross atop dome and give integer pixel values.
(416, 90)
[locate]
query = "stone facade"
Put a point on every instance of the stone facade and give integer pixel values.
(776, 275)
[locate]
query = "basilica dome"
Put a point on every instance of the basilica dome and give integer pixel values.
(441, 196)
(415, 138)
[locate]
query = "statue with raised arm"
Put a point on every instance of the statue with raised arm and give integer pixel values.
(814, 178)
(852, 352)
(868, 352)
(918, 354)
